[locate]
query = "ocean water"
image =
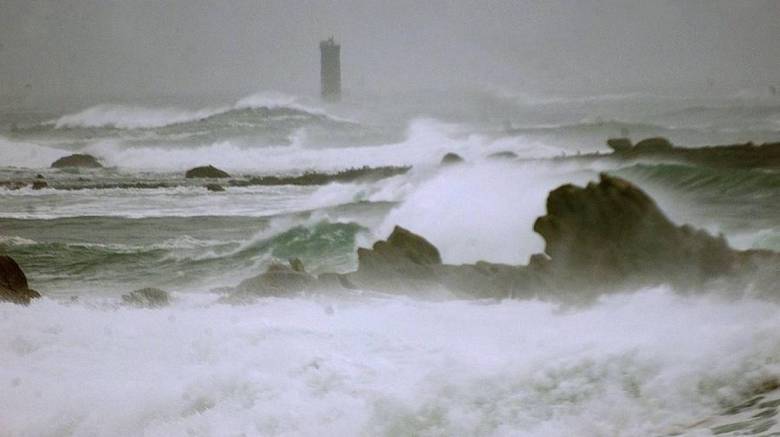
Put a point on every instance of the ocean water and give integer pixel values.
(640, 362)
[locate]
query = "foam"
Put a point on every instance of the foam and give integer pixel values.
(634, 364)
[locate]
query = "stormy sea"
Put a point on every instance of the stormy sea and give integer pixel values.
(313, 182)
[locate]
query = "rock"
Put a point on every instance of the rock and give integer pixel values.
(404, 261)
(208, 171)
(147, 298)
(451, 158)
(39, 176)
(278, 280)
(653, 145)
(620, 144)
(13, 283)
(507, 154)
(612, 233)
(39, 185)
(77, 160)
(297, 265)
(215, 187)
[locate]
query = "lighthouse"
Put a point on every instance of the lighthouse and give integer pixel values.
(330, 70)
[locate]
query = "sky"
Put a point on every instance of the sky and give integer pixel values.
(135, 50)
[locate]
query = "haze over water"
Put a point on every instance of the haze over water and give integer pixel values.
(477, 81)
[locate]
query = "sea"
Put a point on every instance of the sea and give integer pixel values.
(642, 362)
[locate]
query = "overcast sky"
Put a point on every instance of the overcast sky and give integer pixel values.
(133, 49)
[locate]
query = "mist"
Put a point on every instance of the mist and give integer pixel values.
(78, 52)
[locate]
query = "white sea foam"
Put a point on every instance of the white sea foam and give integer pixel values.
(635, 364)
(426, 142)
(484, 211)
(135, 117)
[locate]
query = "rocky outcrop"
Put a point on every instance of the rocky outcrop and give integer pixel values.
(207, 171)
(403, 261)
(147, 298)
(78, 160)
(451, 158)
(607, 236)
(13, 283)
(620, 145)
(611, 233)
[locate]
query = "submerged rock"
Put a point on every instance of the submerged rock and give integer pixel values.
(215, 187)
(451, 158)
(147, 298)
(77, 160)
(39, 185)
(278, 280)
(208, 171)
(13, 283)
(507, 154)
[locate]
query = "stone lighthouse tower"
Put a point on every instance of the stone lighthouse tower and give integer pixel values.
(330, 70)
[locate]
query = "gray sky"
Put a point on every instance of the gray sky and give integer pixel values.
(88, 50)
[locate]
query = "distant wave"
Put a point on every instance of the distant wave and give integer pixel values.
(720, 183)
(330, 246)
(142, 117)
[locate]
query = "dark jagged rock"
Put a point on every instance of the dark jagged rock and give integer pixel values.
(78, 160)
(207, 171)
(620, 145)
(13, 283)
(611, 233)
(404, 260)
(653, 145)
(451, 158)
(147, 298)
(215, 187)
(39, 185)
(507, 154)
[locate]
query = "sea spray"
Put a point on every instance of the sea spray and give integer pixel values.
(639, 363)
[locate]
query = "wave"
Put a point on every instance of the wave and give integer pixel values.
(426, 141)
(25, 154)
(725, 184)
(140, 117)
(183, 261)
(636, 364)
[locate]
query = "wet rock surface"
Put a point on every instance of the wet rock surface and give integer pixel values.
(78, 160)
(451, 158)
(13, 283)
(207, 171)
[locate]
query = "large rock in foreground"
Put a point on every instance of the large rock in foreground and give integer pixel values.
(13, 283)
(78, 161)
(612, 233)
(208, 171)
